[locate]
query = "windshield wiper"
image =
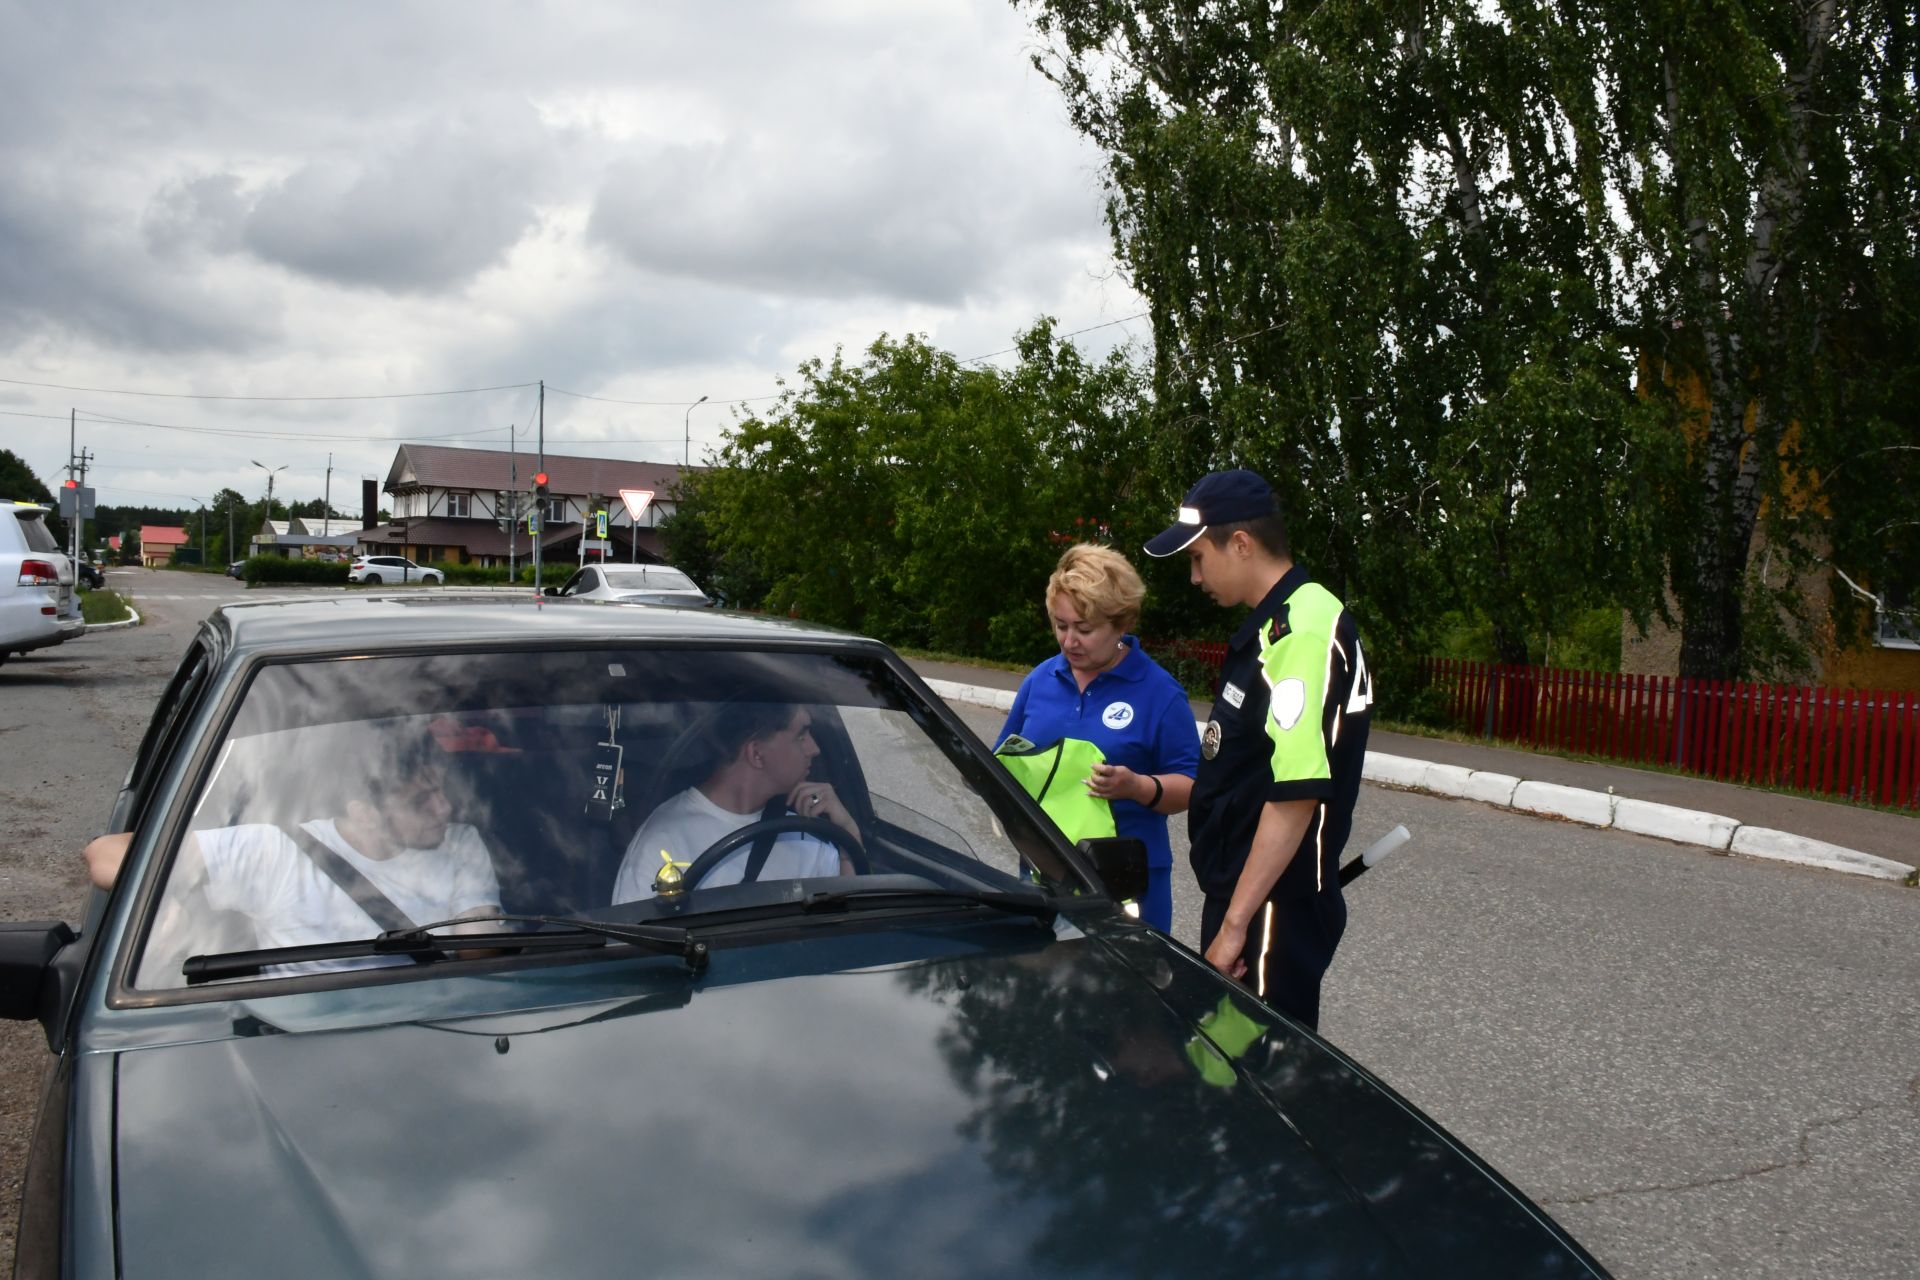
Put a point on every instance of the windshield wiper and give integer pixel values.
(1028, 902)
(421, 944)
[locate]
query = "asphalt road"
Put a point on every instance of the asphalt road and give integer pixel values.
(1703, 1066)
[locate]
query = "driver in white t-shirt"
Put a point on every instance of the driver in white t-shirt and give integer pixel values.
(766, 750)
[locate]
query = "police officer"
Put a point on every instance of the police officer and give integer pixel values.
(1281, 756)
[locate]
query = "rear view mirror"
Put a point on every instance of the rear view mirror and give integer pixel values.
(1121, 864)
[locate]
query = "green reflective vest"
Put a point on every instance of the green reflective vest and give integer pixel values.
(1052, 775)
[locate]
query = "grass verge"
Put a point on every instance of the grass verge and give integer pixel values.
(104, 606)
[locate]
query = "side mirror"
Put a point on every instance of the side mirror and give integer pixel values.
(1121, 864)
(27, 989)
(549, 591)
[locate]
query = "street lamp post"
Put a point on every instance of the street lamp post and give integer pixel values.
(686, 431)
(270, 474)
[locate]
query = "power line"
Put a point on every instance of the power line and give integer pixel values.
(189, 395)
(653, 404)
(1107, 324)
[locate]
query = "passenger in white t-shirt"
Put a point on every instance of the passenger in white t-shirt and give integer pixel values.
(400, 836)
(766, 750)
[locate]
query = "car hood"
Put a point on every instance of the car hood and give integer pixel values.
(1071, 1106)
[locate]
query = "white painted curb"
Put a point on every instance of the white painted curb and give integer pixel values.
(1763, 842)
(131, 621)
(1490, 788)
(1576, 804)
(1667, 822)
(1556, 801)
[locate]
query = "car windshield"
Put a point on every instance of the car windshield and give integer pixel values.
(594, 783)
(647, 577)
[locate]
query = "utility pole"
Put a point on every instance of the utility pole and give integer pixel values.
(73, 533)
(326, 503)
(79, 518)
(541, 444)
(513, 506)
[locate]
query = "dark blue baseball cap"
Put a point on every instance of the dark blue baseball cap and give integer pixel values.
(1221, 497)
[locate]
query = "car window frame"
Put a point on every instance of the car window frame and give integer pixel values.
(183, 695)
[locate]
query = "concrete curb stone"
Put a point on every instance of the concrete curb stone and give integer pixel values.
(1593, 808)
(1491, 788)
(1780, 846)
(133, 620)
(1669, 822)
(1557, 801)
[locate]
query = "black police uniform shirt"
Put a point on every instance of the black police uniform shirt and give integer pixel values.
(1293, 666)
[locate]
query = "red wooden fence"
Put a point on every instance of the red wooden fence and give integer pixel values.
(1860, 743)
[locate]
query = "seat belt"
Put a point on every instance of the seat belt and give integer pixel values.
(365, 894)
(763, 843)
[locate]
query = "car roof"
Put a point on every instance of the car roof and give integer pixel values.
(340, 623)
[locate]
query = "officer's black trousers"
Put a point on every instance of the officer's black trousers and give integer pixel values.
(1289, 946)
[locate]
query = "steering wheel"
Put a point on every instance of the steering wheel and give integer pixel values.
(710, 857)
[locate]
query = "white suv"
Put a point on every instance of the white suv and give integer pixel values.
(390, 569)
(38, 606)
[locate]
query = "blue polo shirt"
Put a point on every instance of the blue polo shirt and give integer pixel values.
(1135, 713)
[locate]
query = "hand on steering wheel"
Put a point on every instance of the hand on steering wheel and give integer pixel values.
(819, 828)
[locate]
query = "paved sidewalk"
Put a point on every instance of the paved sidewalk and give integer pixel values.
(1885, 835)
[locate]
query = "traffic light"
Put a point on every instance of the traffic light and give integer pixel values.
(71, 483)
(540, 485)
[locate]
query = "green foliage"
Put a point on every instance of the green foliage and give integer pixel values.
(18, 483)
(1409, 261)
(260, 569)
(475, 574)
(920, 500)
(1368, 267)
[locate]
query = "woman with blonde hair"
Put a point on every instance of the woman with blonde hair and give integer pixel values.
(1102, 689)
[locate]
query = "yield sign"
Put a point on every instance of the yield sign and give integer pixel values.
(636, 501)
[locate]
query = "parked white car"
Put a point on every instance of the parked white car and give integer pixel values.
(38, 605)
(378, 569)
(636, 584)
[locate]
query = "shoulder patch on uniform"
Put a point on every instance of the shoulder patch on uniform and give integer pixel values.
(1289, 702)
(1278, 628)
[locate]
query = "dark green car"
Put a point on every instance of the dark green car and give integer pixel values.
(413, 969)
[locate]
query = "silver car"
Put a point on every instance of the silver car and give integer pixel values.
(635, 584)
(38, 604)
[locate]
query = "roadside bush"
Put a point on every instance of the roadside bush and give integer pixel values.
(471, 575)
(280, 569)
(475, 575)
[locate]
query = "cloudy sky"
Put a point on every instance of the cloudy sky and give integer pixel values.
(636, 202)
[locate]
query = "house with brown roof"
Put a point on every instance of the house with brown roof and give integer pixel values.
(470, 506)
(157, 543)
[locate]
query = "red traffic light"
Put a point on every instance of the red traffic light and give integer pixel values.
(541, 478)
(71, 484)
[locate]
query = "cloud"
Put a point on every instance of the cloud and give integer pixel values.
(263, 199)
(426, 215)
(68, 267)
